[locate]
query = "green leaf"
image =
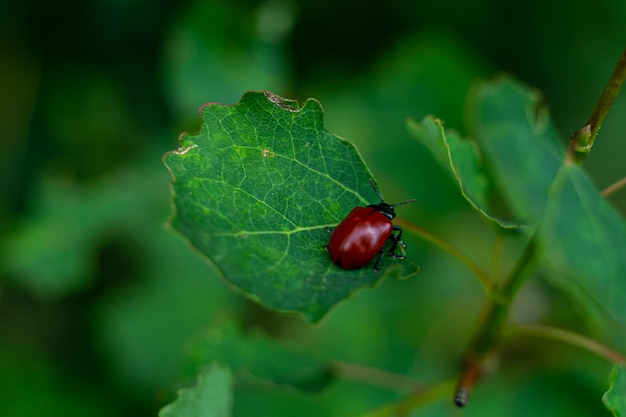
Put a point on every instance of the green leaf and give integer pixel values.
(615, 398)
(462, 159)
(54, 252)
(206, 52)
(210, 397)
(519, 143)
(35, 383)
(261, 357)
(254, 192)
(583, 237)
(584, 240)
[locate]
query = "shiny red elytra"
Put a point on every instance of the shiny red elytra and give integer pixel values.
(363, 233)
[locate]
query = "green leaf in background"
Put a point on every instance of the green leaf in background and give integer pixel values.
(261, 357)
(463, 161)
(584, 240)
(583, 237)
(615, 397)
(210, 397)
(34, 384)
(519, 143)
(205, 51)
(254, 192)
(54, 252)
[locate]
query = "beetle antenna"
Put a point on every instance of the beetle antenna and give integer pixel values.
(376, 190)
(404, 202)
(381, 197)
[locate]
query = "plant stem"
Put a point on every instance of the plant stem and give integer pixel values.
(376, 377)
(495, 269)
(613, 187)
(582, 141)
(567, 336)
(482, 276)
(490, 330)
(413, 401)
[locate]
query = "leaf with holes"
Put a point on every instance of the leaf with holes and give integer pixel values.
(256, 189)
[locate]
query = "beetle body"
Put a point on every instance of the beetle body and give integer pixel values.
(359, 237)
(363, 234)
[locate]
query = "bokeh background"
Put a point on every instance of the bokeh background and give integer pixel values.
(97, 298)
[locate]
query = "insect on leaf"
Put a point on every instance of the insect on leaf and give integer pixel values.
(254, 191)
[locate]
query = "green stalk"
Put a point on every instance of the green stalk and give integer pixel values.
(569, 337)
(413, 401)
(614, 187)
(481, 275)
(489, 333)
(582, 141)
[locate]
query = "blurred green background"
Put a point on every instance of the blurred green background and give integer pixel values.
(97, 299)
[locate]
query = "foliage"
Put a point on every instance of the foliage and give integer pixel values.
(235, 151)
(255, 192)
(614, 397)
(104, 311)
(210, 397)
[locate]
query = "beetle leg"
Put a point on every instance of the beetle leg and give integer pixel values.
(380, 257)
(397, 238)
(329, 230)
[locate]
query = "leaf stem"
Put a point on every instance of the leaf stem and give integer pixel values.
(376, 377)
(413, 401)
(482, 276)
(582, 141)
(567, 336)
(495, 269)
(613, 187)
(490, 330)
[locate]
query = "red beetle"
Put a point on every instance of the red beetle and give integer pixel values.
(363, 234)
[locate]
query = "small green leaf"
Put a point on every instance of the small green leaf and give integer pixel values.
(519, 143)
(463, 161)
(262, 358)
(615, 398)
(210, 397)
(584, 240)
(254, 192)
